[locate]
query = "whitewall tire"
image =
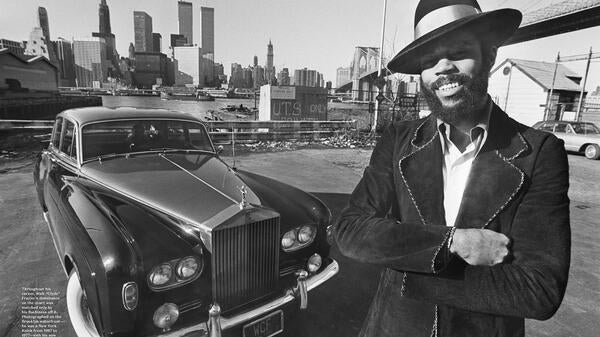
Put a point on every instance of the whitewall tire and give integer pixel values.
(79, 313)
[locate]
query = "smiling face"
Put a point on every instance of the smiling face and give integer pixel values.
(454, 77)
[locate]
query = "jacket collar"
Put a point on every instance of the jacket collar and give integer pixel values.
(494, 180)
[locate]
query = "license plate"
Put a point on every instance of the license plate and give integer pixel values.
(267, 326)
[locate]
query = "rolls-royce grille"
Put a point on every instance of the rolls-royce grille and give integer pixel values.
(245, 262)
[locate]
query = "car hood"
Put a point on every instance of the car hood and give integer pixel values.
(198, 188)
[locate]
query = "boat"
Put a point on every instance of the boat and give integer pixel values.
(198, 96)
(218, 93)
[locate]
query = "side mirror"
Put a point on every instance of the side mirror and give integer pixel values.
(219, 149)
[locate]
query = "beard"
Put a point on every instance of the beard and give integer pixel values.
(467, 102)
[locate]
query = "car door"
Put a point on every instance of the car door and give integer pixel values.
(62, 168)
(560, 132)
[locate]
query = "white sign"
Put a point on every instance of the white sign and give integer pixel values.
(288, 93)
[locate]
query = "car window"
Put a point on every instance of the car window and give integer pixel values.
(562, 128)
(547, 127)
(586, 129)
(56, 132)
(140, 135)
(68, 142)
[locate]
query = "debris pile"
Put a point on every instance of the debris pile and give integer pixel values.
(347, 140)
(273, 146)
(351, 140)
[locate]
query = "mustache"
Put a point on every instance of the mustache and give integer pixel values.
(450, 78)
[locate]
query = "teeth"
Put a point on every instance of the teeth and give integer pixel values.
(449, 86)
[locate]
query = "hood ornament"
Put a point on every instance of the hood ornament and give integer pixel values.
(243, 203)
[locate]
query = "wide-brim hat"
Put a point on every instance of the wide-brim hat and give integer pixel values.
(434, 19)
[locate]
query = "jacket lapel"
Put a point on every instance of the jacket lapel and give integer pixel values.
(421, 171)
(494, 180)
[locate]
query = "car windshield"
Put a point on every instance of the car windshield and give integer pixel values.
(586, 128)
(139, 135)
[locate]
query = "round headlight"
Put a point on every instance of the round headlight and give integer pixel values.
(187, 267)
(160, 274)
(288, 240)
(306, 234)
(165, 316)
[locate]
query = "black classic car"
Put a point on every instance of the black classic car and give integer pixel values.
(160, 237)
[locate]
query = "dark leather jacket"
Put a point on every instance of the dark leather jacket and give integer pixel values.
(517, 186)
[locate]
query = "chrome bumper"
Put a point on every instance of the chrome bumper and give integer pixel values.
(225, 323)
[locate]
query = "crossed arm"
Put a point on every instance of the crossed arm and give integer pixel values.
(531, 285)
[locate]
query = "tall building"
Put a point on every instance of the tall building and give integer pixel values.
(142, 26)
(343, 76)
(220, 74)
(14, 47)
(91, 66)
(190, 66)
(185, 16)
(236, 80)
(258, 77)
(105, 32)
(104, 15)
(37, 44)
(131, 51)
(66, 62)
(156, 42)
(283, 78)
(247, 76)
(45, 25)
(270, 69)
(207, 25)
(308, 78)
(150, 69)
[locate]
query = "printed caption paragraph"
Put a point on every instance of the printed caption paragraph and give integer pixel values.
(38, 317)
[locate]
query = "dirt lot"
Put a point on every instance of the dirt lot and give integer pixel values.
(337, 308)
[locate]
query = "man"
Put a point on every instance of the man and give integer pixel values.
(467, 209)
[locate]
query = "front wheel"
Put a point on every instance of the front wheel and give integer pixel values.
(79, 312)
(592, 151)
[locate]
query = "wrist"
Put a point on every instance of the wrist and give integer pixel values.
(451, 234)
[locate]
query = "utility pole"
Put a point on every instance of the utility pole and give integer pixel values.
(587, 70)
(379, 64)
(546, 113)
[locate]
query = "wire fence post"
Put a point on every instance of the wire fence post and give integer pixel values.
(379, 64)
(587, 70)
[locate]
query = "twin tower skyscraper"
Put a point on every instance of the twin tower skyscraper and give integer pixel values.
(207, 26)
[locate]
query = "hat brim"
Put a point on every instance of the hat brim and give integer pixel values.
(495, 26)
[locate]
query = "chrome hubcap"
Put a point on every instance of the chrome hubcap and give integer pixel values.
(590, 151)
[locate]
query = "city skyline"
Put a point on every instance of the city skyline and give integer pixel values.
(315, 36)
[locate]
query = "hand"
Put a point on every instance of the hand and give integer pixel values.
(480, 247)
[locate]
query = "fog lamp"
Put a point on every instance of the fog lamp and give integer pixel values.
(314, 263)
(165, 316)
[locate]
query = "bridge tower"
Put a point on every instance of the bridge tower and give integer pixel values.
(365, 62)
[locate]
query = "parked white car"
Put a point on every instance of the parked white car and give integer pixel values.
(583, 137)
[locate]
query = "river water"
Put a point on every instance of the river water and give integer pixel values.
(199, 108)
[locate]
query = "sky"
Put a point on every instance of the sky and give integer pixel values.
(317, 34)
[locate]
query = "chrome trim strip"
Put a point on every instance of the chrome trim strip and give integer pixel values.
(60, 258)
(229, 322)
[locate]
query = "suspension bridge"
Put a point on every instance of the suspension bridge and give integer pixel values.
(557, 18)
